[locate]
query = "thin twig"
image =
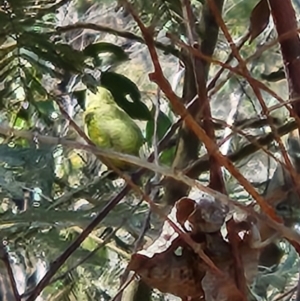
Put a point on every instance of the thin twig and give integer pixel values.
(5, 258)
(248, 149)
(159, 78)
(214, 80)
(124, 286)
(252, 84)
(298, 288)
(286, 232)
(289, 292)
(76, 243)
(168, 49)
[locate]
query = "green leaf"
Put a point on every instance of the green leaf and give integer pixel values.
(6, 66)
(167, 156)
(93, 50)
(163, 124)
(8, 49)
(121, 87)
(25, 114)
(274, 76)
(120, 83)
(60, 55)
(5, 77)
(80, 96)
(45, 108)
(4, 94)
(39, 65)
(33, 82)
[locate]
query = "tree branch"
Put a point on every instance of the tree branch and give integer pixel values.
(159, 78)
(286, 232)
(168, 49)
(196, 72)
(285, 20)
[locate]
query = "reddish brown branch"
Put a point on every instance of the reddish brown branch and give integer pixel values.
(180, 109)
(285, 21)
(252, 83)
(214, 80)
(102, 214)
(55, 266)
(204, 113)
(284, 231)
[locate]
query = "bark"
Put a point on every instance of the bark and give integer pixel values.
(196, 72)
(284, 17)
(188, 144)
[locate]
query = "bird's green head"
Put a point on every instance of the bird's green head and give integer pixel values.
(103, 96)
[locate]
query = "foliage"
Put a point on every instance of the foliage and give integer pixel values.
(52, 54)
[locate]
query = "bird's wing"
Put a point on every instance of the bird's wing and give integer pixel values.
(113, 128)
(97, 131)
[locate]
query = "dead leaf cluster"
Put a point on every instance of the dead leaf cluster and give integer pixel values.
(172, 266)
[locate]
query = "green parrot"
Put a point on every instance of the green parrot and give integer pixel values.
(109, 127)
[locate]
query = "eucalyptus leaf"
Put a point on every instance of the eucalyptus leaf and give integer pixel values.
(37, 87)
(167, 156)
(60, 55)
(163, 124)
(121, 88)
(8, 82)
(95, 49)
(80, 96)
(6, 69)
(25, 114)
(45, 108)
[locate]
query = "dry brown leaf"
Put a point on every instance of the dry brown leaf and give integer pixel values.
(185, 275)
(259, 19)
(248, 233)
(160, 267)
(201, 216)
(217, 289)
(179, 275)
